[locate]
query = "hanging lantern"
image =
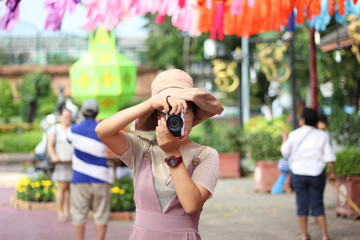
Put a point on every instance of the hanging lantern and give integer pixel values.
(103, 74)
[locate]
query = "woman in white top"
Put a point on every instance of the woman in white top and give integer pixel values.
(309, 150)
(60, 152)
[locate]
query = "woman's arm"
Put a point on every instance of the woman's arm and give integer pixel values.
(191, 196)
(51, 148)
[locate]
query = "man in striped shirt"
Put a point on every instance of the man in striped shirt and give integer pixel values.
(91, 180)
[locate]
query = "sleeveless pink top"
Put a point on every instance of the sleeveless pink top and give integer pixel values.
(150, 222)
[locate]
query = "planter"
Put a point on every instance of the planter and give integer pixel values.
(350, 186)
(265, 176)
(117, 216)
(23, 205)
(122, 216)
(229, 165)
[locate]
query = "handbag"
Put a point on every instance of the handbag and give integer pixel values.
(283, 165)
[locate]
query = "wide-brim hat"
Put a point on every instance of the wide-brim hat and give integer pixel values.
(177, 83)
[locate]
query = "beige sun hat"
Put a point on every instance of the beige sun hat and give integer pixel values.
(177, 83)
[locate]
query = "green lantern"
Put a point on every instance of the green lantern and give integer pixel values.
(103, 74)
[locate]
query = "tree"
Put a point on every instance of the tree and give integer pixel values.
(36, 89)
(7, 106)
(165, 44)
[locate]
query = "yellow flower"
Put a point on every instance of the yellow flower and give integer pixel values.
(115, 189)
(37, 195)
(24, 181)
(53, 190)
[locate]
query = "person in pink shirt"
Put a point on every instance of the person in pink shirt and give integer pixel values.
(173, 176)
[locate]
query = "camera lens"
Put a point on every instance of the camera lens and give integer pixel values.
(174, 123)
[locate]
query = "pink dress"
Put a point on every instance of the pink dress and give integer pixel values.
(151, 222)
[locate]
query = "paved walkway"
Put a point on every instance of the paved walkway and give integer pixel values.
(235, 212)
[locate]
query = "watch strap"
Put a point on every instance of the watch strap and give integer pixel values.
(173, 161)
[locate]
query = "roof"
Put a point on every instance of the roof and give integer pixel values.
(338, 38)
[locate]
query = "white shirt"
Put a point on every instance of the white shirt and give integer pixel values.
(310, 157)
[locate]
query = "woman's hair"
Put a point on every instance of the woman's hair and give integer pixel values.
(310, 116)
(323, 118)
(61, 110)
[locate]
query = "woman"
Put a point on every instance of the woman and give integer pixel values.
(60, 152)
(173, 176)
(308, 150)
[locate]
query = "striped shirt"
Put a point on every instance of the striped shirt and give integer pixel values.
(90, 154)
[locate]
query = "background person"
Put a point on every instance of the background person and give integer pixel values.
(173, 176)
(323, 122)
(91, 180)
(60, 152)
(308, 150)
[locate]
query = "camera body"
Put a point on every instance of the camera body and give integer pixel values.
(176, 123)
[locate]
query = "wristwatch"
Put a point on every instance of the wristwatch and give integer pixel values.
(173, 161)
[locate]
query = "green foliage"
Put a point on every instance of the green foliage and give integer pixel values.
(165, 44)
(122, 193)
(20, 142)
(345, 128)
(348, 162)
(7, 106)
(37, 187)
(302, 55)
(18, 128)
(35, 89)
(262, 146)
(3, 57)
(274, 126)
(346, 81)
(223, 139)
(263, 138)
(59, 58)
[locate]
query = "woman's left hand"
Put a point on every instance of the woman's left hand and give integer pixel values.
(168, 142)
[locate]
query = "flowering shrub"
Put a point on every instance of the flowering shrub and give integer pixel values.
(18, 128)
(273, 126)
(122, 193)
(37, 187)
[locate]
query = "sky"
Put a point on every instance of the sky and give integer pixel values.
(34, 13)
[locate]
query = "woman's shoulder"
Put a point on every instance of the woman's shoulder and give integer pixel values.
(139, 140)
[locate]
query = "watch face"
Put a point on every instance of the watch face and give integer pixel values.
(172, 162)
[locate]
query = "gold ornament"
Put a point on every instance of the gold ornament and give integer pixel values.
(225, 75)
(271, 57)
(353, 28)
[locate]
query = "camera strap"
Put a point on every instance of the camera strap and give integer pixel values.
(168, 101)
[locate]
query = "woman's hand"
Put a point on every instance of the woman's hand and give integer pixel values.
(166, 141)
(55, 160)
(165, 103)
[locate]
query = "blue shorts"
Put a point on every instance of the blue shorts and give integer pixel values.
(309, 194)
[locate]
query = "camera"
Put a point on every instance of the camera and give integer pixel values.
(175, 123)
